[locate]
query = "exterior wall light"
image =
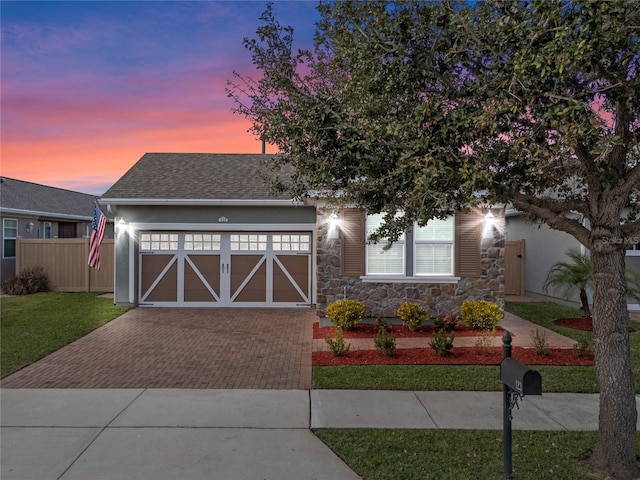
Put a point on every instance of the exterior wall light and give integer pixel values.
(30, 226)
(489, 223)
(334, 226)
(121, 227)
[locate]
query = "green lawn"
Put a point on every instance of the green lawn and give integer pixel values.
(33, 326)
(460, 454)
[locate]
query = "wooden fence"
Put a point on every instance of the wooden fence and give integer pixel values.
(65, 262)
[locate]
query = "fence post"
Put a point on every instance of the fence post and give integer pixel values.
(87, 268)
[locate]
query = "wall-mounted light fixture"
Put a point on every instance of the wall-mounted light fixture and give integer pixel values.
(489, 222)
(121, 226)
(30, 226)
(334, 226)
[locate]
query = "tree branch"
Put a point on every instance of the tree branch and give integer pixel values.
(551, 211)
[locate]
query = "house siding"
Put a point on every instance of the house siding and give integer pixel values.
(383, 299)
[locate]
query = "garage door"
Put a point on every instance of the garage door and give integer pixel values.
(225, 269)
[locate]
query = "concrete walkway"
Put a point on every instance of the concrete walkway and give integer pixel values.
(67, 434)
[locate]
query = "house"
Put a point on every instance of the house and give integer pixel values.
(31, 210)
(540, 247)
(204, 230)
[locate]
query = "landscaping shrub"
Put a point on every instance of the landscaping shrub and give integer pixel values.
(382, 324)
(411, 314)
(480, 314)
(386, 344)
(447, 323)
(582, 347)
(484, 342)
(29, 280)
(540, 342)
(345, 313)
(441, 342)
(337, 344)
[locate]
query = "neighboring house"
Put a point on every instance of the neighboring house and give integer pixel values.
(204, 230)
(31, 210)
(542, 247)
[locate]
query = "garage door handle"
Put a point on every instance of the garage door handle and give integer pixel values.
(222, 268)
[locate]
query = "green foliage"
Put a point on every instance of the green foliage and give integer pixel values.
(412, 314)
(480, 314)
(386, 344)
(28, 281)
(484, 342)
(34, 326)
(382, 325)
(582, 347)
(540, 342)
(447, 323)
(337, 344)
(577, 276)
(345, 313)
(441, 342)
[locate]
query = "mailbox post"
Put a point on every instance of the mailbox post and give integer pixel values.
(518, 380)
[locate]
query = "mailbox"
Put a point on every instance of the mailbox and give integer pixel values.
(520, 377)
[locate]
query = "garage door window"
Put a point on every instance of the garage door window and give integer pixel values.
(291, 243)
(159, 241)
(248, 242)
(202, 242)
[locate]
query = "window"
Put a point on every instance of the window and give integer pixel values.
(384, 257)
(9, 234)
(202, 241)
(291, 242)
(159, 241)
(248, 242)
(47, 230)
(434, 248)
(423, 251)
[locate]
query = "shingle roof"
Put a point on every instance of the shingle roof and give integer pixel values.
(195, 176)
(42, 199)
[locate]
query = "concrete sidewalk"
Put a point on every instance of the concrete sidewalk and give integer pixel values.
(235, 434)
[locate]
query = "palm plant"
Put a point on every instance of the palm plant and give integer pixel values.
(573, 276)
(577, 275)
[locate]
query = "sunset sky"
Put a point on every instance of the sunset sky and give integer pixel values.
(88, 87)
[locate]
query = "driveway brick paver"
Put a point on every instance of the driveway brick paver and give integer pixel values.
(184, 348)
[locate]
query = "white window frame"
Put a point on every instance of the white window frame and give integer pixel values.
(380, 247)
(6, 237)
(449, 242)
(409, 241)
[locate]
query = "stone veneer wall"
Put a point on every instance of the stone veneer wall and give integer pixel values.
(383, 299)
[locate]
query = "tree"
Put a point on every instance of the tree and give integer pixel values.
(428, 107)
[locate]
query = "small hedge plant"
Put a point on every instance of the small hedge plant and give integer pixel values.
(337, 344)
(441, 342)
(411, 314)
(29, 280)
(345, 313)
(480, 314)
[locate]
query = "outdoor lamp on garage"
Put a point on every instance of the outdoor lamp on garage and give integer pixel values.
(122, 226)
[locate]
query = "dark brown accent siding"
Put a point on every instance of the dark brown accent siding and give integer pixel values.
(352, 239)
(468, 235)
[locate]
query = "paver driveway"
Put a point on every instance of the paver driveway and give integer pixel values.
(183, 348)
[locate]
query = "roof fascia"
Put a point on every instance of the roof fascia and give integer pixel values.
(35, 213)
(199, 202)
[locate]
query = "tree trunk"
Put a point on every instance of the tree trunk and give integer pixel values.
(615, 450)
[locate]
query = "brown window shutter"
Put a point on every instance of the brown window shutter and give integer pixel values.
(352, 240)
(468, 238)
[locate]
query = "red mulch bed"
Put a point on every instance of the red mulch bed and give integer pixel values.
(456, 356)
(581, 323)
(365, 330)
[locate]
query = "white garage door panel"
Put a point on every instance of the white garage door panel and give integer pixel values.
(225, 269)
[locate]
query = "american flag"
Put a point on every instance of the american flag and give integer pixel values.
(97, 234)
